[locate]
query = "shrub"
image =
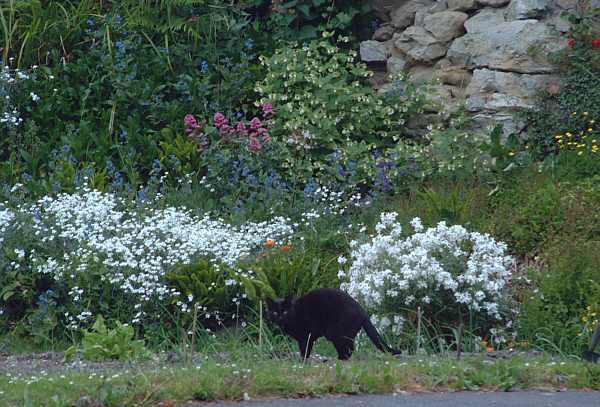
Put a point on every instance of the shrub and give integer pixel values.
(294, 270)
(453, 275)
(333, 124)
(98, 255)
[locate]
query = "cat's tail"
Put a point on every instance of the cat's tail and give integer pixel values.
(377, 339)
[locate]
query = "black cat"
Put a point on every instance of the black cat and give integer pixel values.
(324, 312)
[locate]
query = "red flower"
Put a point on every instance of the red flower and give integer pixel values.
(268, 109)
(241, 129)
(254, 144)
(255, 123)
(220, 120)
(190, 123)
(596, 42)
(571, 42)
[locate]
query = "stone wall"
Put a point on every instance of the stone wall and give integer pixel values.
(490, 55)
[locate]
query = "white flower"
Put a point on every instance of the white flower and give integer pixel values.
(444, 263)
(131, 249)
(34, 97)
(342, 260)
(417, 225)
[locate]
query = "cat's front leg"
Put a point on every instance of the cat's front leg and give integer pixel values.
(306, 345)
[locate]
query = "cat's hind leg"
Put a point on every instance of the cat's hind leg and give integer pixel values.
(344, 347)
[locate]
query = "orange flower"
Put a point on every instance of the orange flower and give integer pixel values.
(264, 254)
(270, 243)
(286, 247)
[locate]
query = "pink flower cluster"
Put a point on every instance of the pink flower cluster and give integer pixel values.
(255, 131)
(191, 124)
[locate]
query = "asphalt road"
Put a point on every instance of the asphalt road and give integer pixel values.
(460, 399)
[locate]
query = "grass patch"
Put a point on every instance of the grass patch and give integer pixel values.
(210, 378)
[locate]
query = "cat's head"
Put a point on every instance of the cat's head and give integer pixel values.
(281, 310)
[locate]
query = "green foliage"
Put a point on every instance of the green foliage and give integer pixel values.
(560, 110)
(526, 219)
(116, 108)
(289, 270)
(306, 19)
(214, 290)
(569, 282)
(328, 117)
(33, 29)
(537, 211)
(101, 343)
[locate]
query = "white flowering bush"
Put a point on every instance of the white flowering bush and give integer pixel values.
(447, 271)
(91, 253)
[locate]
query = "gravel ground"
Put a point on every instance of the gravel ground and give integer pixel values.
(49, 363)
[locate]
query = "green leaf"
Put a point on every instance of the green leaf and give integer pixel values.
(305, 9)
(308, 32)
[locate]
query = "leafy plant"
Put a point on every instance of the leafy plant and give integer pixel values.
(335, 128)
(562, 290)
(101, 343)
(284, 270)
(560, 108)
(306, 19)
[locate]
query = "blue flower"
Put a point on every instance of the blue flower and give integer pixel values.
(156, 165)
(91, 21)
(249, 44)
(119, 20)
(120, 46)
(110, 167)
(204, 66)
(310, 187)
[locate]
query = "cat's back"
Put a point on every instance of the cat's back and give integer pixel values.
(330, 302)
